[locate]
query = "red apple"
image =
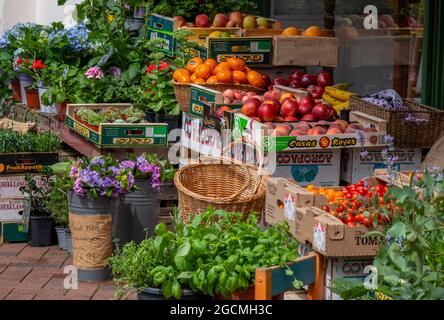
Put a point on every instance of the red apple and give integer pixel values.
(280, 81)
(278, 119)
(275, 103)
(316, 91)
(308, 118)
(202, 21)
(305, 105)
(307, 80)
(220, 21)
(180, 21)
(324, 79)
(297, 132)
(238, 17)
(297, 75)
(250, 107)
(290, 119)
(320, 112)
(269, 95)
(289, 108)
(220, 111)
(267, 112)
(296, 83)
(266, 80)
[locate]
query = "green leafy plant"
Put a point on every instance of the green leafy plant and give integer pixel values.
(12, 141)
(217, 253)
(410, 265)
(38, 192)
(57, 203)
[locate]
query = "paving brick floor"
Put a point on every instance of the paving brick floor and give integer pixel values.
(28, 273)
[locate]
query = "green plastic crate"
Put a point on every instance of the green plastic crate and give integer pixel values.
(13, 233)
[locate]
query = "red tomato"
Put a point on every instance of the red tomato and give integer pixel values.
(326, 208)
(349, 195)
(367, 222)
(351, 224)
(349, 218)
(357, 203)
(362, 191)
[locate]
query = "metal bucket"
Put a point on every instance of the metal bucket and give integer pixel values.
(99, 243)
(138, 211)
(61, 237)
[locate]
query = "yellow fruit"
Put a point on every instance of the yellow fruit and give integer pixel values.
(339, 94)
(313, 31)
(214, 34)
(292, 31)
(330, 100)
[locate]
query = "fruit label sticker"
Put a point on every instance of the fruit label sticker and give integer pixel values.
(319, 236)
(254, 51)
(290, 207)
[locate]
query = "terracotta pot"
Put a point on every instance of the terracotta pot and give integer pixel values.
(16, 94)
(32, 98)
(62, 111)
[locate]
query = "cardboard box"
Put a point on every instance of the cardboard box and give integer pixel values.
(357, 164)
(344, 267)
(256, 132)
(10, 208)
(26, 162)
(10, 185)
(317, 167)
(255, 51)
(202, 98)
(332, 238)
(287, 201)
(305, 51)
(117, 135)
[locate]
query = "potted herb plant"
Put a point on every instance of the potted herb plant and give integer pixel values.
(94, 183)
(138, 212)
(58, 206)
(41, 224)
(217, 254)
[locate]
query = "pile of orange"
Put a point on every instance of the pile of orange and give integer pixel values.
(332, 195)
(209, 71)
(313, 31)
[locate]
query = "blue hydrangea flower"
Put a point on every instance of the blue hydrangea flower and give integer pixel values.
(77, 37)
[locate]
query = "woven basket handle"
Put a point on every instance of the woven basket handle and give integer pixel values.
(260, 156)
(234, 161)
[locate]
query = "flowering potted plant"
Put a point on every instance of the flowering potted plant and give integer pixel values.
(41, 224)
(139, 210)
(94, 184)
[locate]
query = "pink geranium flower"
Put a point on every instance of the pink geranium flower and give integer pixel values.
(94, 73)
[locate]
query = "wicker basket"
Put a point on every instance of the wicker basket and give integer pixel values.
(235, 187)
(407, 134)
(183, 92)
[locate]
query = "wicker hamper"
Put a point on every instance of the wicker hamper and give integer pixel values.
(233, 187)
(183, 92)
(407, 134)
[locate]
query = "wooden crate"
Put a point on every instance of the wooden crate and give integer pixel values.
(201, 34)
(305, 51)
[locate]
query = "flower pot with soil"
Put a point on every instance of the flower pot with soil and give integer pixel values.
(96, 182)
(32, 98)
(25, 81)
(138, 212)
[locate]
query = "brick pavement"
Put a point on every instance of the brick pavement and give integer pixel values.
(28, 273)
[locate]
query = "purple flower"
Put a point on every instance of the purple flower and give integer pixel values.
(127, 164)
(94, 73)
(115, 72)
(74, 171)
(78, 187)
(114, 170)
(98, 161)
